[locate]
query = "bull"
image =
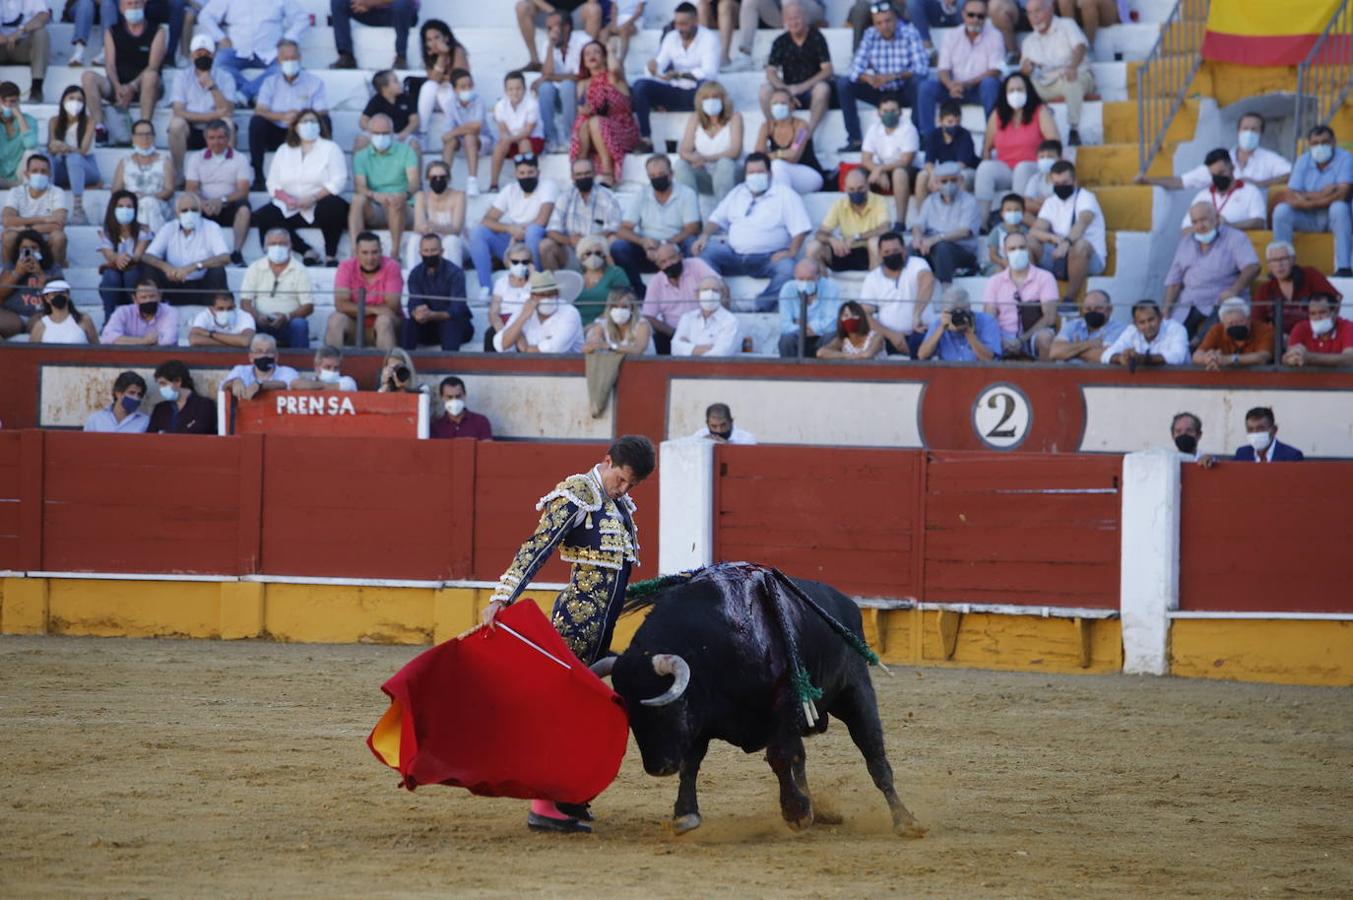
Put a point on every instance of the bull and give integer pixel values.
(714, 661)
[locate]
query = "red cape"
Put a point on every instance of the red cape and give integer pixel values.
(491, 713)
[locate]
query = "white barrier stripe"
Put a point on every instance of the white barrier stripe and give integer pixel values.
(1294, 616)
(128, 576)
(342, 582)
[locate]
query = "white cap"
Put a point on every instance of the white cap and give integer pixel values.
(202, 42)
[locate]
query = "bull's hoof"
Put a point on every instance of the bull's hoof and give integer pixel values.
(688, 822)
(801, 822)
(909, 828)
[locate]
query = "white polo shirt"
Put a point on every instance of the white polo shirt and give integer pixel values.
(888, 148)
(560, 333)
(896, 298)
(240, 322)
(719, 331)
(1263, 165)
(761, 224)
(1061, 215)
(518, 208)
(180, 248)
(1244, 202)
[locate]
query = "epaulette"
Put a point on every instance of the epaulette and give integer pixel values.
(580, 490)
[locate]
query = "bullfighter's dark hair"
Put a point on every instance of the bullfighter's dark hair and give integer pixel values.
(635, 452)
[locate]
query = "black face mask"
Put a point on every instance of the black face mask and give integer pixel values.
(202, 63)
(527, 185)
(1238, 333)
(673, 271)
(59, 301)
(894, 262)
(661, 183)
(438, 184)
(1222, 182)
(149, 308)
(584, 184)
(951, 130)
(432, 262)
(1063, 191)
(264, 363)
(1095, 319)
(722, 435)
(1186, 443)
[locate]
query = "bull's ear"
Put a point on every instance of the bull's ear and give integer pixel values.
(602, 667)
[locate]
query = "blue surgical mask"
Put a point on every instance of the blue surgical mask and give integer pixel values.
(124, 215)
(278, 253)
(1012, 218)
(290, 67)
(779, 111)
(134, 16)
(858, 197)
(1205, 237)
(949, 189)
(169, 392)
(381, 142)
(189, 218)
(1322, 153)
(7, 112)
(1045, 164)
(805, 287)
(131, 404)
(1019, 259)
(758, 182)
(308, 130)
(1248, 139)
(466, 96)
(39, 181)
(712, 106)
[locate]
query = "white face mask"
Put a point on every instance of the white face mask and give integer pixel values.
(329, 376)
(308, 130)
(455, 406)
(1045, 164)
(189, 218)
(808, 288)
(1017, 99)
(1019, 260)
(1259, 440)
(466, 96)
(169, 392)
(381, 142)
(712, 106)
(779, 111)
(278, 253)
(518, 270)
(1321, 327)
(548, 306)
(73, 107)
(710, 300)
(1012, 218)
(621, 315)
(291, 67)
(223, 319)
(1248, 139)
(593, 261)
(758, 182)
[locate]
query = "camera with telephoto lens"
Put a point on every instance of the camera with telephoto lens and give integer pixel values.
(961, 318)
(402, 373)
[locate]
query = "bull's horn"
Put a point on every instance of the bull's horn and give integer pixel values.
(670, 664)
(602, 667)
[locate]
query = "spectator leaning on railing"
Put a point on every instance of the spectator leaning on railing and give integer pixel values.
(328, 374)
(962, 334)
(1084, 337)
(1324, 339)
(1151, 341)
(261, 373)
(720, 428)
(181, 410)
(221, 324)
(124, 414)
(454, 419)
(1235, 341)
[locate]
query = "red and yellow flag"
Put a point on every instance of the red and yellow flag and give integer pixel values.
(1265, 32)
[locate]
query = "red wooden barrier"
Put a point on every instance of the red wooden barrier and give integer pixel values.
(1258, 538)
(327, 414)
(10, 499)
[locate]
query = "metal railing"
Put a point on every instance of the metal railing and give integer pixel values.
(1163, 79)
(1325, 76)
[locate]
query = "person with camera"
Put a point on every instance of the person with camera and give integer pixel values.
(261, 373)
(961, 335)
(398, 374)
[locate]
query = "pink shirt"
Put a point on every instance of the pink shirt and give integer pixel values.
(126, 321)
(668, 303)
(1000, 300)
(965, 59)
(386, 283)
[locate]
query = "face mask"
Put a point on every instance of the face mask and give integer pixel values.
(455, 406)
(661, 184)
(548, 307)
(149, 308)
(1259, 440)
(7, 112)
(621, 315)
(1012, 218)
(584, 184)
(223, 319)
(39, 181)
(1238, 333)
(1064, 191)
(291, 67)
(329, 376)
(169, 392)
(950, 130)
(466, 96)
(779, 111)
(973, 27)
(130, 404)
(712, 106)
(893, 262)
(527, 185)
(381, 142)
(438, 184)
(1186, 443)
(431, 262)
(1045, 164)
(1248, 139)
(758, 182)
(1205, 237)
(518, 270)
(710, 300)
(134, 16)
(265, 363)
(852, 326)
(124, 215)
(59, 301)
(1222, 182)
(308, 130)
(890, 119)
(1322, 153)
(1320, 327)
(673, 271)
(721, 435)
(1019, 260)
(73, 107)
(1017, 99)
(278, 253)
(858, 197)
(592, 261)
(189, 218)
(1094, 319)
(808, 288)
(949, 189)
(202, 63)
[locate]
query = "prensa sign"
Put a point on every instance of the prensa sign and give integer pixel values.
(326, 414)
(326, 404)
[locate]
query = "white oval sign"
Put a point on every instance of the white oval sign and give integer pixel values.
(1002, 416)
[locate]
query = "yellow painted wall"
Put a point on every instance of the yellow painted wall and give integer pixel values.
(134, 608)
(1269, 650)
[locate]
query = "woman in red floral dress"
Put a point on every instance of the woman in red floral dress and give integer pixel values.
(605, 129)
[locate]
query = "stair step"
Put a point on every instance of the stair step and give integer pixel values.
(1117, 164)
(1121, 122)
(1129, 207)
(1312, 249)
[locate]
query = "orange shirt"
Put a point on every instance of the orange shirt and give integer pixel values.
(1260, 339)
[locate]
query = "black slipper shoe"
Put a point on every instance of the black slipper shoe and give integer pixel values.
(537, 822)
(580, 811)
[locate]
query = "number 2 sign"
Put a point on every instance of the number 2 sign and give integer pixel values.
(1002, 416)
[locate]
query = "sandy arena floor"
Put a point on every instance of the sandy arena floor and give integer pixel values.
(181, 768)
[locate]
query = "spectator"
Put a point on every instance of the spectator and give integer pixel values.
(30, 268)
(543, 325)
(438, 313)
(254, 35)
(70, 141)
(688, 55)
(282, 97)
(328, 373)
(1290, 285)
(24, 39)
(661, 212)
(1261, 430)
(532, 13)
(970, 64)
(458, 421)
(1070, 229)
(1054, 56)
(202, 94)
(557, 86)
(468, 126)
(588, 208)
(1014, 220)
(1023, 298)
(276, 292)
(370, 274)
(1317, 198)
(1219, 263)
(61, 322)
(385, 177)
(398, 14)
(673, 292)
(146, 322)
(1091, 14)
(220, 178)
(626, 18)
(124, 414)
(961, 334)
(788, 141)
(812, 298)
(307, 176)
(36, 206)
(719, 427)
(18, 134)
(1015, 131)
(1186, 431)
(891, 62)
(182, 410)
(438, 209)
(133, 51)
(1239, 204)
(1324, 339)
(766, 223)
(897, 294)
(951, 142)
(604, 130)
(1153, 340)
(861, 16)
(390, 99)
(1083, 338)
(800, 63)
(946, 231)
(261, 373)
(190, 255)
(601, 277)
(221, 324)
(848, 238)
(519, 214)
(509, 293)
(620, 328)
(889, 149)
(853, 338)
(750, 14)
(122, 243)
(438, 41)
(710, 330)
(516, 117)
(148, 174)
(398, 374)
(1039, 187)
(1255, 164)
(712, 143)
(1235, 341)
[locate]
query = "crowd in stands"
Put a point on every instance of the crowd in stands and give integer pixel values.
(595, 265)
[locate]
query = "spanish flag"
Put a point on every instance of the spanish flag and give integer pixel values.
(1268, 32)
